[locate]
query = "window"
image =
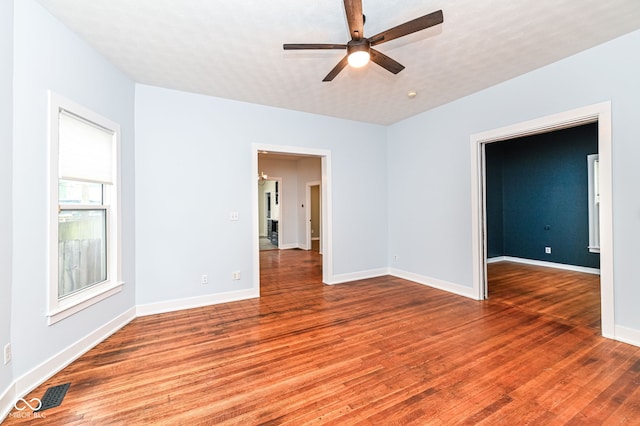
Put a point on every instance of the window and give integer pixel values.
(593, 169)
(84, 247)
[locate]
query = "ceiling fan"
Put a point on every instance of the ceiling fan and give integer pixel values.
(360, 49)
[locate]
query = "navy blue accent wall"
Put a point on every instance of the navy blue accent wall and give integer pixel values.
(495, 236)
(537, 196)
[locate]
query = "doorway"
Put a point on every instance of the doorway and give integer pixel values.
(313, 217)
(599, 113)
(293, 211)
(537, 204)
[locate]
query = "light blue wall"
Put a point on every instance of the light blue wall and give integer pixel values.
(50, 56)
(6, 137)
(287, 171)
(193, 166)
(430, 163)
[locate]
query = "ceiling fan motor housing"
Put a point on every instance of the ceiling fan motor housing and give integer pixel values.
(362, 45)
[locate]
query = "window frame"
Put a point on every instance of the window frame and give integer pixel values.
(60, 308)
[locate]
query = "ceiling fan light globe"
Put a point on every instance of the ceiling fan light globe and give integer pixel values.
(359, 59)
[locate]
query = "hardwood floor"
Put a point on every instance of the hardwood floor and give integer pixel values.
(377, 351)
(567, 295)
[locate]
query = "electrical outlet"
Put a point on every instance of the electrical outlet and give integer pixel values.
(547, 250)
(235, 275)
(204, 279)
(7, 353)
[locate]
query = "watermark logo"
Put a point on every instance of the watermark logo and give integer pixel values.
(21, 407)
(34, 404)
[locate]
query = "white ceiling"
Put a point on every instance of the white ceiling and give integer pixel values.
(233, 49)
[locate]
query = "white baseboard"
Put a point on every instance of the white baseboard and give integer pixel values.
(195, 302)
(434, 282)
(564, 266)
(290, 246)
(627, 335)
(41, 373)
(354, 276)
(7, 399)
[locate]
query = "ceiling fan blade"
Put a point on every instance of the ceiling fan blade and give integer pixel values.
(332, 74)
(409, 27)
(385, 62)
(354, 18)
(309, 46)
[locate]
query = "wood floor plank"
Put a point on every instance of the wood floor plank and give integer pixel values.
(372, 352)
(568, 295)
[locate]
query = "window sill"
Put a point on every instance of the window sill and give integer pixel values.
(83, 300)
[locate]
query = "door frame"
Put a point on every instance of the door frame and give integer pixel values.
(308, 215)
(600, 113)
(325, 195)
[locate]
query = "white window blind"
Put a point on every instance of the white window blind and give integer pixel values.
(85, 150)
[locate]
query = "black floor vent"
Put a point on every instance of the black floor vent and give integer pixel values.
(53, 396)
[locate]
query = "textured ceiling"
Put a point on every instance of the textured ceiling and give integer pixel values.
(233, 49)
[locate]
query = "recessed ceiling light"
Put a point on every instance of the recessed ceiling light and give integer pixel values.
(412, 94)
